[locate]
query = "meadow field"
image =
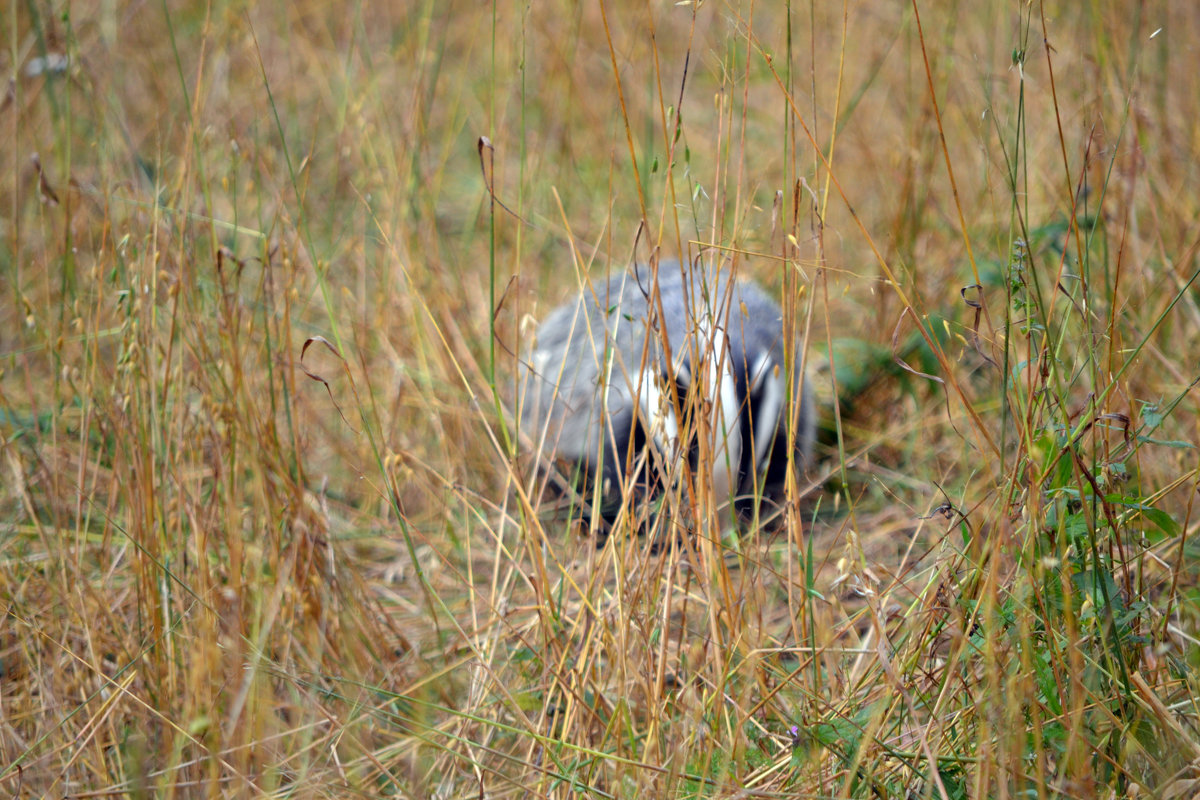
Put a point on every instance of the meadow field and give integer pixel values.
(269, 526)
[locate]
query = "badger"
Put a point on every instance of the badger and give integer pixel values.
(654, 368)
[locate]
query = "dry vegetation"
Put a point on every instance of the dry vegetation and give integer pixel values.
(266, 524)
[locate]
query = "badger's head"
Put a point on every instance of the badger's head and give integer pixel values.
(720, 408)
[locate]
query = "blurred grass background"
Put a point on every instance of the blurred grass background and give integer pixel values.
(267, 526)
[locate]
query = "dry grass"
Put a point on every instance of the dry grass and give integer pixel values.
(266, 526)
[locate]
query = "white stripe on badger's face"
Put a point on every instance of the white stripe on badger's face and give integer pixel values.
(658, 411)
(721, 399)
(767, 378)
(727, 432)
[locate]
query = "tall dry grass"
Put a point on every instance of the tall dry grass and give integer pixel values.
(269, 528)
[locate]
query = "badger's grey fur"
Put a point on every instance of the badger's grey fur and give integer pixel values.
(615, 388)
